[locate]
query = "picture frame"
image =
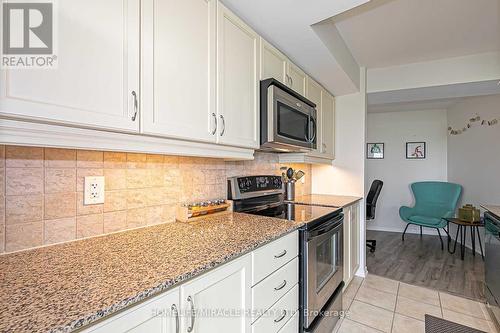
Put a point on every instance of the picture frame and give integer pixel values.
(416, 150)
(375, 151)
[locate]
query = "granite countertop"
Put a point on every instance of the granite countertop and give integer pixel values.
(494, 209)
(63, 287)
(326, 200)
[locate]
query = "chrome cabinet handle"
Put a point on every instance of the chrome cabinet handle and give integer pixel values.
(324, 147)
(176, 312)
(193, 317)
(291, 81)
(287, 79)
(280, 255)
(134, 116)
(277, 320)
(280, 286)
(215, 121)
(223, 125)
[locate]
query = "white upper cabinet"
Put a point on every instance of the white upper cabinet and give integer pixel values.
(224, 290)
(179, 58)
(273, 63)
(296, 78)
(313, 93)
(327, 125)
(96, 82)
(237, 81)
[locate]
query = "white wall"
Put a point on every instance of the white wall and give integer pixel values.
(346, 176)
(394, 129)
(473, 68)
(474, 156)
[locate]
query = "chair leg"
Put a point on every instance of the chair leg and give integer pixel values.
(420, 231)
(441, 239)
(371, 244)
(404, 232)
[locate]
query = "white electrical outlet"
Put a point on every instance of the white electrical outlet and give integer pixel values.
(93, 190)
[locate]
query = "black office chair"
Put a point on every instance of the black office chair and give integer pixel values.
(371, 204)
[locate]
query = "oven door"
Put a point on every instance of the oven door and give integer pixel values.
(291, 122)
(323, 265)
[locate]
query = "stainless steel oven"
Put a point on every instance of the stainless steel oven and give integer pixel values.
(323, 274)
(288, 120)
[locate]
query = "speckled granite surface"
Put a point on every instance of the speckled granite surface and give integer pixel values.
(326, 200)
(63, 287)
(493, 209)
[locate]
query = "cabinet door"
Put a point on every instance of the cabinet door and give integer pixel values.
(226, 290)
(328, 125)
(97, 72)
(179, 68)
(354, 262)
(159, 315)
(237, 81)
(313, 93)
(347, 245)
(297, 79)
(272, 62)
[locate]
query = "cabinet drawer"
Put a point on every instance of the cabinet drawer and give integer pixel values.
(272, 288)
(277, 316)
(269, 258)
(292, 326)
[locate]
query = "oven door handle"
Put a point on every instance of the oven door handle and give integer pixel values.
(333, 225)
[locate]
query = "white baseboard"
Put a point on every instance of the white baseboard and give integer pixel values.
(413, 229)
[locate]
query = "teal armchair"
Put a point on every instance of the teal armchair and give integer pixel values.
(434, 201)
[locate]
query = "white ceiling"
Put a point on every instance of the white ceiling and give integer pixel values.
(439, 104)
(429, 98)
(387, 33)
(287, 25)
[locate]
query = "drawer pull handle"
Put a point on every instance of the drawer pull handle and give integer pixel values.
(176, 312)
(134, 95)
(281, 254)
(277, 320)
(281, 286)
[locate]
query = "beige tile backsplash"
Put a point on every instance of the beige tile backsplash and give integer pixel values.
(41, 190)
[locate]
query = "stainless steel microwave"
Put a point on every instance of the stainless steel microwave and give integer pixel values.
(288, 121)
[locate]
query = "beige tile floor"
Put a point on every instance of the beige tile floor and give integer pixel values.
(377, 304)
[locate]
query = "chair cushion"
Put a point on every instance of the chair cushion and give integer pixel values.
(425, 220)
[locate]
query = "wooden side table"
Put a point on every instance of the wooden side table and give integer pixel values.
(462, 229)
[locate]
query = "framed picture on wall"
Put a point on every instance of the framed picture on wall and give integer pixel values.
(375, 151)
(415, 150)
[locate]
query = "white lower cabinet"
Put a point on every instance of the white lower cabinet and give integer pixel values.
(158, 315)
(351, 242)
(275, 293)
(277, 316)
(219, 299)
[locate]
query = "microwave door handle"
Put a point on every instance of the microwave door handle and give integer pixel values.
(313, 129)
(307, 136)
